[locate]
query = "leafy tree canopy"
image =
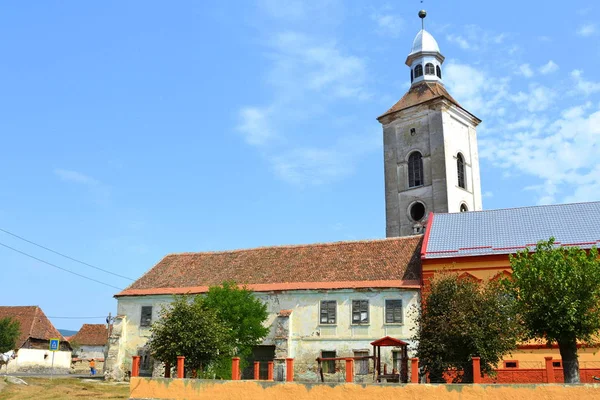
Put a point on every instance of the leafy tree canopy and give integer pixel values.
(242, 312)
(209, 329)
(187, 327)
(557, 292)
(9, 333)
(461, 319)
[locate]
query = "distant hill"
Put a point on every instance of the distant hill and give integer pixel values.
(67, 332)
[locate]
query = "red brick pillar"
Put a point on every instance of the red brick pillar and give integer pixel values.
(167, 370)
(135, 366)
(235, 369)
(180, 366)
(256, 370)
(270, 370)
(549, 370)
(289, 369)
(414, 370)
(349, 370)
(476, 370)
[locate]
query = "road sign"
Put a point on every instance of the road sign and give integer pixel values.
(54, 344)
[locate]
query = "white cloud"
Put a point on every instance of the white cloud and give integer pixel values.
(459, 40)
(525, 70)
(75, 177)
(302, 62)
(488, 194)
(255, 125)
(388, 24)
(308, 74)
(582, 86)
(100, 191)
(587, 30)
(318, 165)
(538, 98)
(475, 90)
(548, 68)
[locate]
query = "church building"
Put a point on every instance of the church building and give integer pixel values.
(430, 147)
(336, 299)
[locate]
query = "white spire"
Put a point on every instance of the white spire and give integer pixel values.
(425, 60)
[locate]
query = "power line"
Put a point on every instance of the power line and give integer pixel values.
(64, 255)
(61, 268)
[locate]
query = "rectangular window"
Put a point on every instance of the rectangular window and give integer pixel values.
(511, 364)
(328, 311)
(393, 311)
(360, 311)
(361, 366)
(328, 366)
(556, 364)
(146, 319)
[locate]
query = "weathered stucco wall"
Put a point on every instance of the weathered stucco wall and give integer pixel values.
(40, 361)
(441, 131)
(300, 335)
(143, 388)
(88, 352)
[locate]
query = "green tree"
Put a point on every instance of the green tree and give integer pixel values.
(9, 333)
(242, 312)
(188, 327)
(557, 291)
(461, 319)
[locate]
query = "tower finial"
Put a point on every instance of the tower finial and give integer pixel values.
(422, 15)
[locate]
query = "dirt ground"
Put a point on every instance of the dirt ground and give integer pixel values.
(63, 388)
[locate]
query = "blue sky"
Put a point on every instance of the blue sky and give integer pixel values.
(135, 129)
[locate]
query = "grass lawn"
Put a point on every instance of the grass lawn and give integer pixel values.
(62, 388)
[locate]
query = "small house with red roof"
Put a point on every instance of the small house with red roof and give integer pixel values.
(90, 341)
(477, 246)
(324, 300)
(33, 344)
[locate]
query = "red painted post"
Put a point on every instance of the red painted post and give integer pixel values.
(235, 369)
(476, 369)
(414, 370)
(269, 370)
(549, 370)
(167, 370)
(256, 370)
(135, 366)
(180, 367)
(289, 369)
(349, 370)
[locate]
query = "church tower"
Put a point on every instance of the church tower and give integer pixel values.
(430, 147)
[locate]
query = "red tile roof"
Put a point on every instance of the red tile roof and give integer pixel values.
(421, 93)
(91, 335)
(382, 263)
(34, 323)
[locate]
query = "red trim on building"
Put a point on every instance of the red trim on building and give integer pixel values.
(427, 233)
(577, 244)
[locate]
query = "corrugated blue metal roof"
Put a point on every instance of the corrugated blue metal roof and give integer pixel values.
(509, 230)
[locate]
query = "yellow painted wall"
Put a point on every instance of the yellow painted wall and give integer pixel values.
(145, 388)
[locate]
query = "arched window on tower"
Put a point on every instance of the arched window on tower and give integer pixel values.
(418, 71)
(460, 166)
(463, 208)
(429, 69)
(439, 71)
(411, 76)
(415, 169)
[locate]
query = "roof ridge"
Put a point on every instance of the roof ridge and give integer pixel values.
(288, 246)
(522, 207)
